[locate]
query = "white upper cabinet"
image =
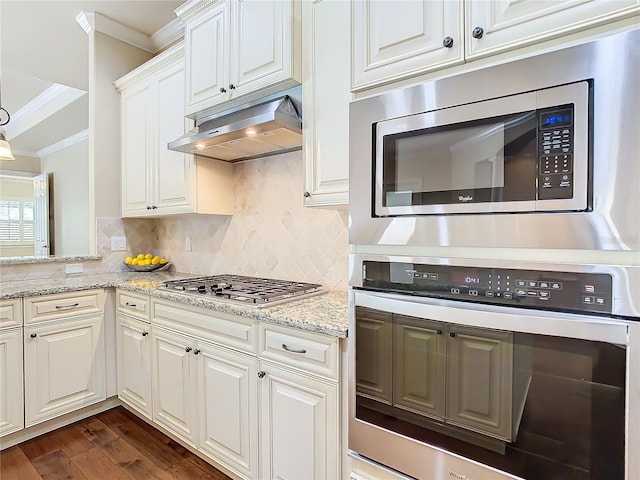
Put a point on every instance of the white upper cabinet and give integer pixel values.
(500, 25)
(207, 57)
(156, 180)
(394, 40)
(325, 99)
(234, 48)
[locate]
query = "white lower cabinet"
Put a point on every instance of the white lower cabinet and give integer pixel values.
(174, 383)
(259, 408)
(228, 407)
(299, 425)
(11, 392)
(134, 363)
(64, 366)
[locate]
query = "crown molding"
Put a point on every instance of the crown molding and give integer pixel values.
(62, 144)
(163, 37)
(50, 101)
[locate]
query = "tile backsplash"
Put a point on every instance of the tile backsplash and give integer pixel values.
(271, 234)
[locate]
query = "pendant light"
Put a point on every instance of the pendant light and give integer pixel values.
(5, 148)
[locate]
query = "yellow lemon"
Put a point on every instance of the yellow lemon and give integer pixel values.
(147, 261)
(134, 261)
(148, 256)
(155, 260)
(162, 260)
(128, 260)
(140, 256)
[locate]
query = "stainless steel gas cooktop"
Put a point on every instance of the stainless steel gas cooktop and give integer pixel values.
(241, 290)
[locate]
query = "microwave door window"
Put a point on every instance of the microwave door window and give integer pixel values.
(469, 162)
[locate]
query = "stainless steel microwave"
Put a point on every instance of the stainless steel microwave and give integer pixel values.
(535, 153)
(521, 153)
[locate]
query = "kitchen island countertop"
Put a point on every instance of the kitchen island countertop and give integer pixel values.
(326, 313)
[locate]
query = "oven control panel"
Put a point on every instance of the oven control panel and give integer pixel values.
(572, 291)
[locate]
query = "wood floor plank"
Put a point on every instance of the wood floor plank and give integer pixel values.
(57, 466)
(14, 465)
(163, 450)
(96, 465)
(96, 432)
(123, 454)
(65, 439)
(113, 445)
(191, 468)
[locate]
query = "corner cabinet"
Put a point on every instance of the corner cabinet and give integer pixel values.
(325, 98)
(236, 48)
(393, 42)
(155, 180)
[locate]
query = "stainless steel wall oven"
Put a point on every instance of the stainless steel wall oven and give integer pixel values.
(478, 369)
(535, 153)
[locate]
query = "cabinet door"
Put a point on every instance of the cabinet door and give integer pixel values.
(228, 406)
(64, 367)
(326, 95)
(506, 25)
(136, 151)
(394, 40)
(174, 383)
(299, 426)
(11, 393)
(134, 363)
(480, 380)
(261, 42)
(206, 40)
(419, 366)
(174, 171)
(374, 354)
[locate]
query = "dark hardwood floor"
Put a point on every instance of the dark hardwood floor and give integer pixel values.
(111, 445)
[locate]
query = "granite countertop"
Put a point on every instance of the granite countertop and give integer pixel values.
(326, 313)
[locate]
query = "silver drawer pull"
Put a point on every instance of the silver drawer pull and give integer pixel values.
(130, 304)
(62, 307)
(292, 350)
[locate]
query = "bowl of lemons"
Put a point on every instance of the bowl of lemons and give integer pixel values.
(145, 262)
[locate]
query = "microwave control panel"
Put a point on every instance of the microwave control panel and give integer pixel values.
(555, 153)
(571, 291)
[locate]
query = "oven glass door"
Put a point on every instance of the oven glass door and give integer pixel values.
(505, 154)
(533, 405)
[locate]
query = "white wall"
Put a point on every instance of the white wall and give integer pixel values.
(109, 59)
(70, 169)
(22, 163)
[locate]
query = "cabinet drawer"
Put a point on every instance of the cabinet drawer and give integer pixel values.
(222, 328)
(312, 352)
(62, 305)
(11, 313)
(133, 304)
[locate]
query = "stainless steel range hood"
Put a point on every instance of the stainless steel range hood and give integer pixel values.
(252, 131)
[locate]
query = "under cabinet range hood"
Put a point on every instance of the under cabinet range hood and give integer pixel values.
(252, 131)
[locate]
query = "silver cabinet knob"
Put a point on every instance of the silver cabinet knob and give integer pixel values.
(261, 374)
(447, 42)
(477, 32)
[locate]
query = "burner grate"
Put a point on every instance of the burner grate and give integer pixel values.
(245, 290)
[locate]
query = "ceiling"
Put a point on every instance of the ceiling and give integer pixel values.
(45, 49)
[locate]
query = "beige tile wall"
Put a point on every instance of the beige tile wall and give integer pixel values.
(271, 234)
